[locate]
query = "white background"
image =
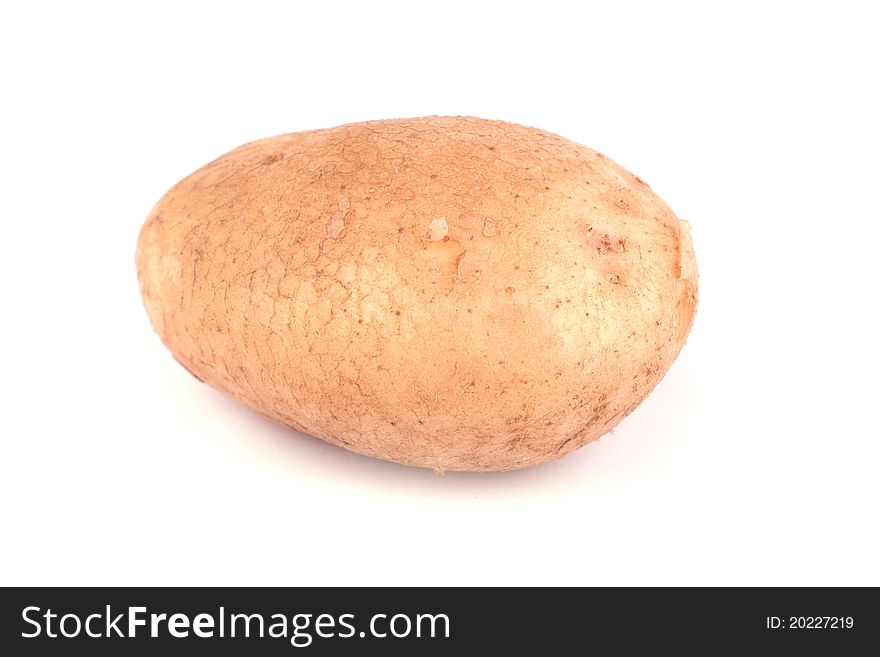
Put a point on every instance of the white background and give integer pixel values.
(754, 462)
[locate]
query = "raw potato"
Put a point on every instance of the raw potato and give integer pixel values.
(446, 292)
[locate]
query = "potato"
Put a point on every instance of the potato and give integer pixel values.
(446, 292)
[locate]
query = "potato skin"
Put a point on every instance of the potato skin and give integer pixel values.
(446, 292)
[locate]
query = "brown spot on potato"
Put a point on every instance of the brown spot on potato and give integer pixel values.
(605, 244)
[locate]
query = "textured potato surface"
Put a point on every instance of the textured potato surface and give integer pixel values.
(446, 292)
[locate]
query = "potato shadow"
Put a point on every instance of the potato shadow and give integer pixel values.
(308, 458)
(311, 458)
